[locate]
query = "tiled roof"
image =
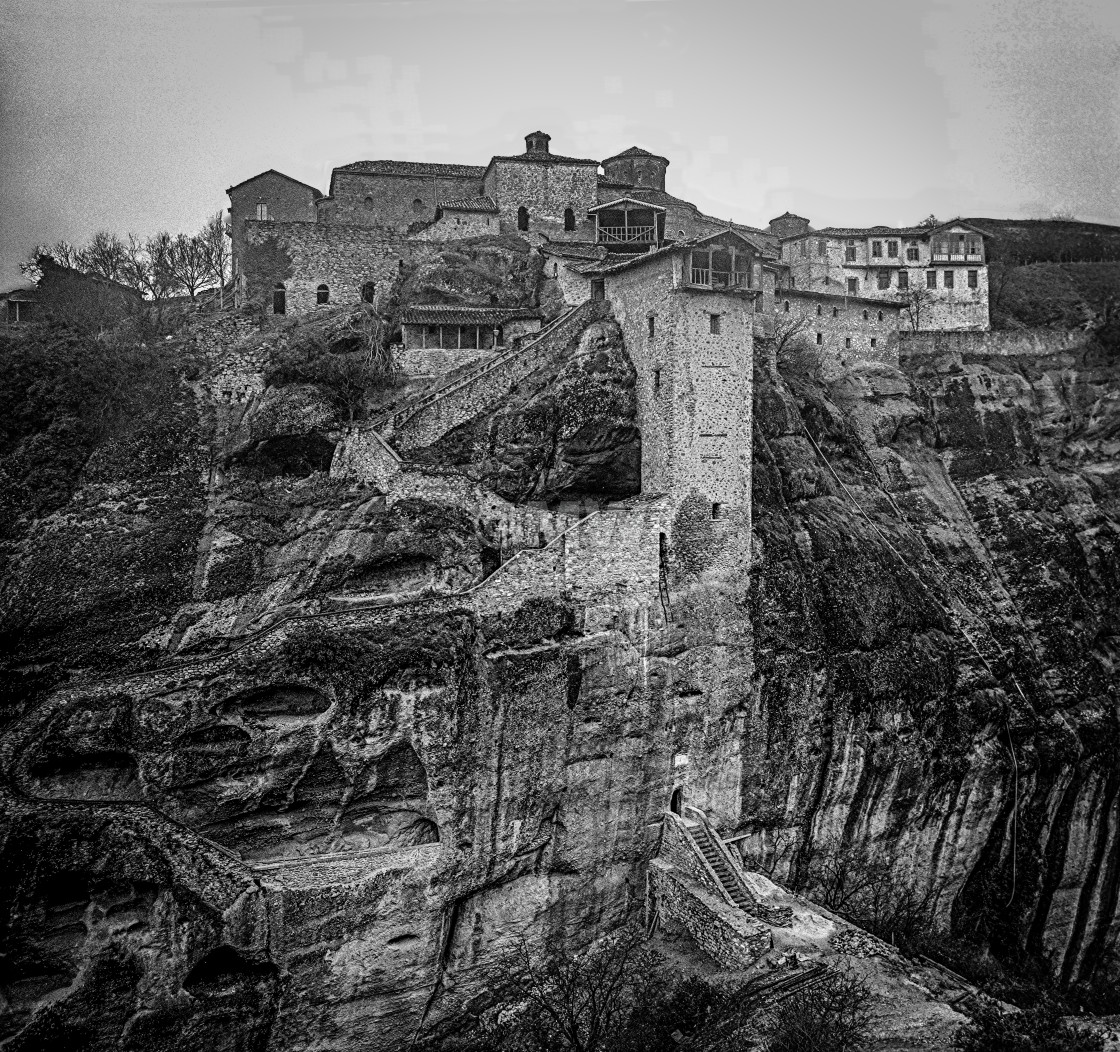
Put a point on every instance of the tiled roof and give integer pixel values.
(470, 204)
(788, 215)
(456, 314)
(609, 266)
(273, 171)
(472, 171)
(573, 249)
(546, 158)
(837, 297)
(637, 151)
(867, 231)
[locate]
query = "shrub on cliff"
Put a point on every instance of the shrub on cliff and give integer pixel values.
(1040, 1029)
(833, 1016)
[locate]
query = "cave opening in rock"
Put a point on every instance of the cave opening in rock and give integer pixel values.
(224, 970)
(107, 774)
(676, 801)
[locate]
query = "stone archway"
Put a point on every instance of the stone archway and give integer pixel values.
(676, 801)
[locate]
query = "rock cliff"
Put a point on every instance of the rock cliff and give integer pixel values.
(308, 797)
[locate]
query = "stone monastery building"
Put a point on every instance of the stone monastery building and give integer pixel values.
(689, 291)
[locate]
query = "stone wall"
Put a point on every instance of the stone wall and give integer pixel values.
(364, 455)
(304, 256)
(389, 202)
(545, 188)
(454, 225)
(287, 202)
(849, 330)
(434, 361)
(694, 385)
(1029, 341)
(727, 935)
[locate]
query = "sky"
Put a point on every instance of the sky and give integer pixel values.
(135, 115)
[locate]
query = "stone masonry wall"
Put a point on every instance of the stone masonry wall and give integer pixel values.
(545, 189)
(287, 201)
(1030, 341)
(694, 386)
(364, 455)
(393, 207)
(454, 226)
(846, 328)
(306, 255)
(731, 938)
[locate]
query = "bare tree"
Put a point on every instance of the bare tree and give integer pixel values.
(103, 256)
(62, 252)
(189, 262)
(215, 237)
(917, 302)
(929, 222)
(148, 265)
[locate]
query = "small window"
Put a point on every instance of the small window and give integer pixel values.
(598, 289)
(866, 315)
(785, 306)
(850, 253)
(820, 338)
(892, 249)
(948, 277)
(368, 290)
(417, 205)
(713, 324)
(973, 279)
(717, 511)
(912, 252)
(368, 202)
(822, 247)
(884, 277)
(569, 219)
(876, 249)
(880, 315)
(803, 248)
(872, 341)
(853, 286)
(656, 380)
(279, 299)
(931, 279)
(836, 312)
(651, 326)
(555, 270)
(848, 342)
(523, 218)
(818, 310)
(262, 210)
(903, 280)
(322, 294)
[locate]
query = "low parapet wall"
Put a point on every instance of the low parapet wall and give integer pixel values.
(1000, 342)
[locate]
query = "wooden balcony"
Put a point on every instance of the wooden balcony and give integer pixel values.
(628, 235)
(957, 257)
(720, 279)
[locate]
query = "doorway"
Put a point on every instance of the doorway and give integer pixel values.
(676, 800)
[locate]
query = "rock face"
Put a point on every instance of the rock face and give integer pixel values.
(357, 772)
(567, 430)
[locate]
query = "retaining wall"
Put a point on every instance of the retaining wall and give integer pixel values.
(1001, 342)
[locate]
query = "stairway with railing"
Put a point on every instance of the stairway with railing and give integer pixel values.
(428, 418)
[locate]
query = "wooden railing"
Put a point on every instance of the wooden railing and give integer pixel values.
(628, 234)
(957, 257)
(721, 279)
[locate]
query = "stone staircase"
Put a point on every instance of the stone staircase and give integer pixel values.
(469, 391)
(703, 838)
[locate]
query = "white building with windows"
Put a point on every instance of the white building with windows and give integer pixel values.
(937, 275)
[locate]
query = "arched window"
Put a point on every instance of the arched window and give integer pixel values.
(569, 219)
(836, 312)
(322, 294)
(555, 270)
(523, 218)
(786, 306)
(262, 210)
(368, 289)
(417, 205)
(279, 300)
(818, 310)
(880, 315)
(368, 202)
(865, 315)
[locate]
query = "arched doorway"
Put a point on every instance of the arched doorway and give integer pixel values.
(279, 300)
(676, 800)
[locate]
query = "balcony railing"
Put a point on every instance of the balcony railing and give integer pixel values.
(957, 257)
(627, 235)
(720, 279)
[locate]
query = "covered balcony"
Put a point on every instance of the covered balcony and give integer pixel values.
(628, 225)
(720, 266)
(957, 247)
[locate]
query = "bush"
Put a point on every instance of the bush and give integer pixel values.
(833, 1016)
(1040, 1029)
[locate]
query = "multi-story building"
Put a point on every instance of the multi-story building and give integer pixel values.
(937, 275)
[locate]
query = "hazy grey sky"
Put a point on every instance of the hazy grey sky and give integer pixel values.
(137, 114)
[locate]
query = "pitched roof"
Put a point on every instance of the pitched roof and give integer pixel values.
(837, 297)
(482, 203)
(470, 171)
(573, 249)
(458, 314)
(609, 266)
(272, 171)
(864, 231)
(788, 215)
(636, 151)
(626, 200)
(544, 158)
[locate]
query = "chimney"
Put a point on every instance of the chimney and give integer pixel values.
(537, 142)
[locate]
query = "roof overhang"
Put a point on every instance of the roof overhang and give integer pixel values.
(619, 201)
